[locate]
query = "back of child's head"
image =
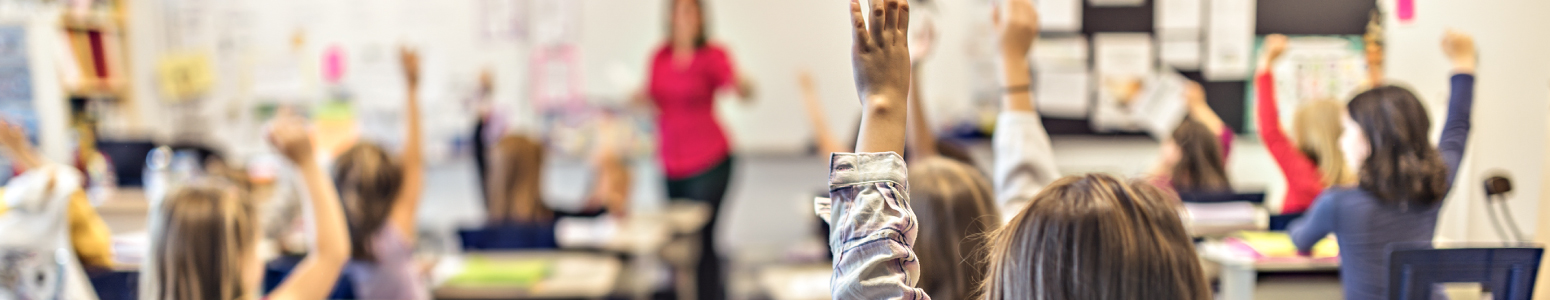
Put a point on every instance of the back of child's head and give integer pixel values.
(1316, 127)
(1402, 166)
(1095, 237)
(368, 179)
(1201, 166)
(955, 206)
(519, 162)
(206, 244)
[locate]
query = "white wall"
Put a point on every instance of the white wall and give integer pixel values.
(1510, 100)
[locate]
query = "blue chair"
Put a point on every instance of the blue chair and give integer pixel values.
(116, 285)
(1508, 273)
(509, 237)
(276, 271)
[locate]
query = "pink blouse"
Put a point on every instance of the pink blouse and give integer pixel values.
(691, 139)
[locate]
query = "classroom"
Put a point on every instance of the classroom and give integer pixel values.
(774, 150)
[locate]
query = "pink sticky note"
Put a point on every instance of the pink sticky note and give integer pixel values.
(333, 64)
(1406, 10)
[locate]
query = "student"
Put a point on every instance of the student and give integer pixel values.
(206, 244)
(956, 210)
(382, 196)
(1035, 257)
(1193, 162)
(1402, 177)
(47, 203)
(516, 183)
(1314, 161)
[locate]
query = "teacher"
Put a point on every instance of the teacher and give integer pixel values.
(686, 74)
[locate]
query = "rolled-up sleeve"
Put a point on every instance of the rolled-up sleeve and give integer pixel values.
(872, 229)
(1025, 159)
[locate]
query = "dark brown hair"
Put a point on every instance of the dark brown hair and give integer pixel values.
(516, 181)
(1095, 237)
(702, 38)
(1200, 167)
(956, 208)
(368, 180)
(1403, 167)
(206, 230)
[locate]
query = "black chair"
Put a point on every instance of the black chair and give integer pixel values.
(279, 268)
(116, 285)
(510, 237)
(1507, 273)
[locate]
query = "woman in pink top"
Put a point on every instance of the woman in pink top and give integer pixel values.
(686, 74)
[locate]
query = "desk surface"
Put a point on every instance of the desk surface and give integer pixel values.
(1216, 251)
(798, 282)
(574, 275)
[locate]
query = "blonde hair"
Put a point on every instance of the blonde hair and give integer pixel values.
(207, 229)
(517, 184)
(368, 180)
(1316, 128)
(1095, 237)
(956, 207)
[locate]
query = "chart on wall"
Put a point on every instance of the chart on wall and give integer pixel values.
(1325, 67)
(16, 92)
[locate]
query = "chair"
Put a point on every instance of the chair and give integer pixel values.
(509, 237)
(276, 270)
(117, 285)
(1507, 273)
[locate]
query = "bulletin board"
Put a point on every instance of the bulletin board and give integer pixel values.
(1226, 97)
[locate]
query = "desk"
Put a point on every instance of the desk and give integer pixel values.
(800, 282)
(1240, 273)
(573, 275)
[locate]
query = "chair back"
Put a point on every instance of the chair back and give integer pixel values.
(1507, 273)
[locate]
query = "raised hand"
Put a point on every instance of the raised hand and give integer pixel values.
(13, 137)
(410, 60)
(288, 132)
(1017, 26)
(881, 59)
(1460, 49)
(922, 42)
(1275, 46)
(881, 55)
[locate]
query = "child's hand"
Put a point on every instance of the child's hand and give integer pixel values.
(1017, 29)
(1275, 46)
(1194, 94)
(288, 133)
(1460, 49)
(12, 137)
(922, 42)
(410, 59)
(881, 56)
(805, 80)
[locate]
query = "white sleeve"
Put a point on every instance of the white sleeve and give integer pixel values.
(1025, 161)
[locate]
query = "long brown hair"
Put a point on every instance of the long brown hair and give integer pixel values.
(1200, 166)
(1403, 167)
(1316, 128)
(1095, 237)
(956, 208)
(206, 231)
(368, 180)
(516, 181)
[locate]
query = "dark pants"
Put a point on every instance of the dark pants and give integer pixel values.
(709, 187)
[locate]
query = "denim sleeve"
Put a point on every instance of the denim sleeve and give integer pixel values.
(872, 229)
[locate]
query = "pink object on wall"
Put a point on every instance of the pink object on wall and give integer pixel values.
(333, 64)
(1405, 10)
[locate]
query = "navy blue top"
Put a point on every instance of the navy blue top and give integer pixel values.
(1365, 227)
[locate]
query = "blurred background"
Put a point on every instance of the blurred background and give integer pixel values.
(117, 78)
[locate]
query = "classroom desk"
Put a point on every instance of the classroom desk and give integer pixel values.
(1239, 273)
(574, 275)
(797, 282)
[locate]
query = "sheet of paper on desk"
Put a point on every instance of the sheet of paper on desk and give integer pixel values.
(1229, 40)
(585, 231)
(1059, 15)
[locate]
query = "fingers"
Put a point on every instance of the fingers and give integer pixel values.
(995, 14)
(903, 25)
(877, 24)
(862, 41)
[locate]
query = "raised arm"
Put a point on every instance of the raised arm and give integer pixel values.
(1460, 49)
(314, 278)
(872, 226)
(17, 148)
(1025, 160)
(1200, 111)
(1300, 171)
(407, 206)
(922, 140)
(1316, 224)
(827, 143)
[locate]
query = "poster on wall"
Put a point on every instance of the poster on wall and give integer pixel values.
(1326, 67)
(16, 91)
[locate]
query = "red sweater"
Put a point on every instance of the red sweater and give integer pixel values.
(1303, 181)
